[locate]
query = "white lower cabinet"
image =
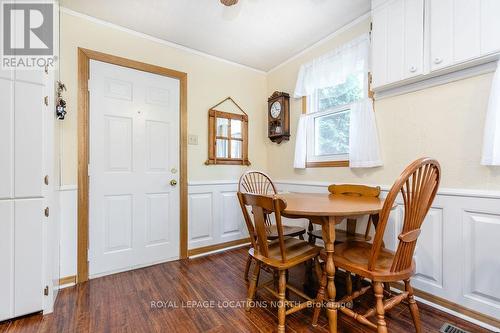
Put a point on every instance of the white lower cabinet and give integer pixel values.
(21, 279)
(21, 257)
(28, 250)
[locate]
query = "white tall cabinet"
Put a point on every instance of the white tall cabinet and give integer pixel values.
(29, 223)
(26, 146)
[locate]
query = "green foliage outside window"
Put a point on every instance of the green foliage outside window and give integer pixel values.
(332, 130)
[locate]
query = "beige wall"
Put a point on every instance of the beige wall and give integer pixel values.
(209, 81)
(445, 122)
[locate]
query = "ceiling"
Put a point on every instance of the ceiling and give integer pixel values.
(257, 33)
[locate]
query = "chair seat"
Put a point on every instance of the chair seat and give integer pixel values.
(341, 236)
(297, 251)
(272, 231)
(354, 256)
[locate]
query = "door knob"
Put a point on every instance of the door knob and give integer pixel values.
(173, 182)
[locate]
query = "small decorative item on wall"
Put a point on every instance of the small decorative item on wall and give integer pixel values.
(60, 102)
(279, 117)
(227, 136)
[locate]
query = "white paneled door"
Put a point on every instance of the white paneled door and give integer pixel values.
(134, 163)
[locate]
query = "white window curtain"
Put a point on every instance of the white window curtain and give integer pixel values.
(491, 140)
(363, 138)
(331, 69)
(299, 161)
(334, 67)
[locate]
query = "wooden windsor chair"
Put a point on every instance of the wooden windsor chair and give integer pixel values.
(417, 185)
(257, 182)
(280, 254)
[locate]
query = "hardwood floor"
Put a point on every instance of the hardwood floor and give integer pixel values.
(123, 303)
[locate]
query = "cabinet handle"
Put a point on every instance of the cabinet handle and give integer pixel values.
(413, 69)
(46, 212)
(438, 60)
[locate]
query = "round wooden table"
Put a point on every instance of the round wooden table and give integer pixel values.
(329, 210)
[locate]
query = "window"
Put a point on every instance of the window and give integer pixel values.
(228, 138)
(329, 119)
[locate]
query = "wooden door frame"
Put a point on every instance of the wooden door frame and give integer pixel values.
(84, 57)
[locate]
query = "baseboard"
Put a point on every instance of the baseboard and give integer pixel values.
(67, 280)
(215, 247)
(490, 321)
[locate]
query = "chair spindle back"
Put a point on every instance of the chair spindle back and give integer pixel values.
(418, 185)
(256, 182)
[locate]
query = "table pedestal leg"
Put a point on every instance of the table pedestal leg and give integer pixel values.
(328, 230)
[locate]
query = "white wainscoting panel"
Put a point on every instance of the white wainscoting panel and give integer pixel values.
(481, 250)
(201, 218)
(214, 214)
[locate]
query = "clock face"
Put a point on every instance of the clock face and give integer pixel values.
(275, 109)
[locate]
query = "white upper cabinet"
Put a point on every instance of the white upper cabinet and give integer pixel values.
(397, 41)
(425, 38)
(455, 31)
(490, 26)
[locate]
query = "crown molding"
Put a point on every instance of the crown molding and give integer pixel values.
(156, 39)
(334, 34)
(207, 55)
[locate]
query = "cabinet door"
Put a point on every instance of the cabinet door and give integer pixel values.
(28, 289)
(397, 41)
(490, 26)
(413, 38)
(33, 76)
(455, 31)
(379, 46)
(6, 258)
(29, 139)
(6, 133)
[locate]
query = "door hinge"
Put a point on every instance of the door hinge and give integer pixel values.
(46, 291)
(46, 180)
(88, 255)
(47, 211)
(46, 100)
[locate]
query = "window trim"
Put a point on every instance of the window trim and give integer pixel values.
(212, 138)
(323, 164)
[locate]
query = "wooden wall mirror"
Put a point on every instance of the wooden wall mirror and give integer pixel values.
(227, 136)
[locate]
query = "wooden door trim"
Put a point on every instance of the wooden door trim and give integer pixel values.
(84, 57)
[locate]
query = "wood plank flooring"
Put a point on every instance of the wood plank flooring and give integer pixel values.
(123, 303)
